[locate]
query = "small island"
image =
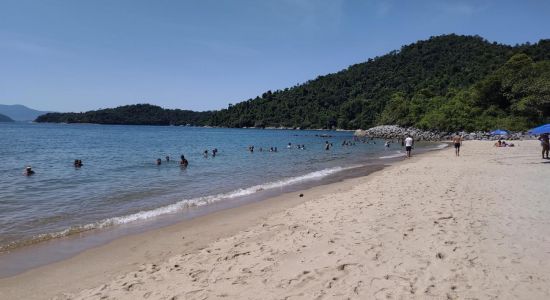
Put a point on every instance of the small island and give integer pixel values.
(5, 119)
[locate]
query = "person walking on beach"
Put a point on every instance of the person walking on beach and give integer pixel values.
(457, 141)
(409, 143)
(545, 143)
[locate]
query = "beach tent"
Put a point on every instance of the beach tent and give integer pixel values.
(499, 132)
(540, 130)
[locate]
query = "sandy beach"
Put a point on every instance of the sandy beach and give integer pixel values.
(432, 227)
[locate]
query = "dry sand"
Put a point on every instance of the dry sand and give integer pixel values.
(432, 227)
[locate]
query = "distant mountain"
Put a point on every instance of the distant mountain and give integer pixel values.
(4, 118)
(19, 112)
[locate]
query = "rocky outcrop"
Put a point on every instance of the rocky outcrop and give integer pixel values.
(397, 132)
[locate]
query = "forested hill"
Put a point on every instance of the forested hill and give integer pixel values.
(447, 83)
(138, 114)
(4, 118)
(400, 87)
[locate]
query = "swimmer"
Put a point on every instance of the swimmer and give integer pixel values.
(167, 158)
(205, 153)
(28, 171)
(327, 146)
(159, 161)
(77, 163)
(184, 163)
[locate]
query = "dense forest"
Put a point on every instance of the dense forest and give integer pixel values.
(138, 114)
(448, 83)
(4, 118)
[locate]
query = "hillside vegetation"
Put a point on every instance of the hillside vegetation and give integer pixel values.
(447, 83)
(4, 118)
(138, 114)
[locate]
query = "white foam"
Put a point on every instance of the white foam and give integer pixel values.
(398, 154)
(200, 201)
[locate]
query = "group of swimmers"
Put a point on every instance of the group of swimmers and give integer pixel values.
(348, 143)
(214, 152)
(29, 171)
(183, 162)
(271, 149)
(299, 146)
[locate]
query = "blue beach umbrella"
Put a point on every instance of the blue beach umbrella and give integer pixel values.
(541, 129)
(499, 132)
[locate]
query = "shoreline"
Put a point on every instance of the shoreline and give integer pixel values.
(430, 227)
(192, 234)
(14, 261)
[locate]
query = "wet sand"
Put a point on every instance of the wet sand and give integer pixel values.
(435, 226)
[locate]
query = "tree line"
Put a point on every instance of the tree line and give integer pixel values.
(449, 82)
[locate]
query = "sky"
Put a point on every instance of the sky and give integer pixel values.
(77, 55)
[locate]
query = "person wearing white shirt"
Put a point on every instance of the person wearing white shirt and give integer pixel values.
(409, 143)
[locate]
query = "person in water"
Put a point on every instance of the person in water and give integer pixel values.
(205, 153)
(28, 171)
(159, 161)
(183, 163)
(214, 152)
(77, 163)
(167, 158)
(327, 146)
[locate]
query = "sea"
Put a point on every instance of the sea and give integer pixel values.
(120, 183)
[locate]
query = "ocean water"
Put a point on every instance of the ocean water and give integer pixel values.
(120, 183)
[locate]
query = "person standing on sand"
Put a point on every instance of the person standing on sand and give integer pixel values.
(409, 143)
(457, 141)
(545, 143)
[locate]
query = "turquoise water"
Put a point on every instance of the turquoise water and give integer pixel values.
(120, 183)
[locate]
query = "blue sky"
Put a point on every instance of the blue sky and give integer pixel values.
(81, 55)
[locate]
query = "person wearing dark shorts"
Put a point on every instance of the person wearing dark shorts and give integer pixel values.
(409, 143)
(457, 141)
(545, 143)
